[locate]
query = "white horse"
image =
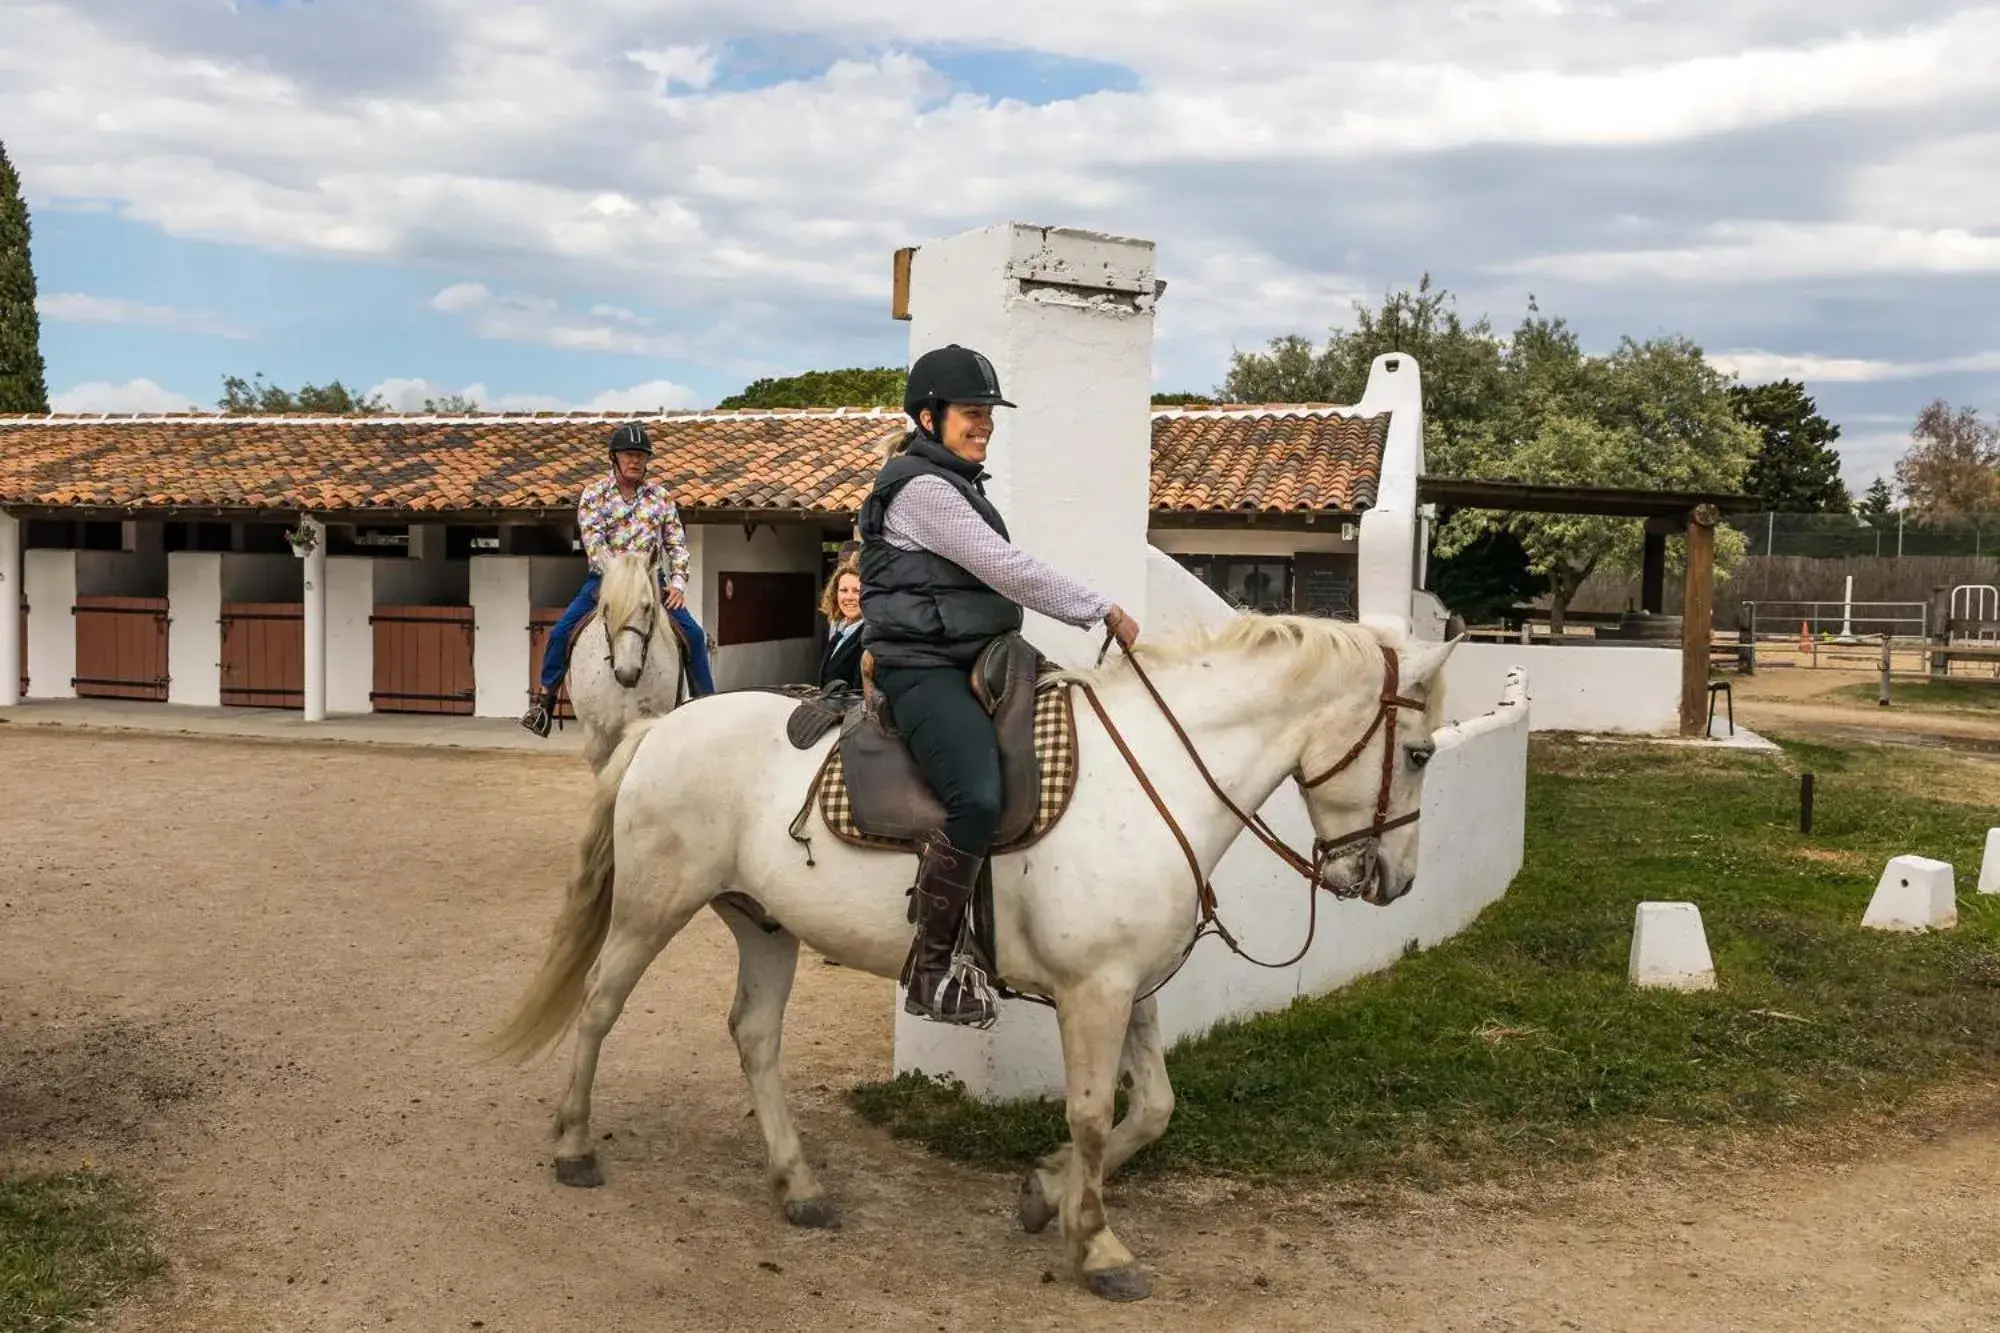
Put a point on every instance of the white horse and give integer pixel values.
(625, 660)
(694, 809)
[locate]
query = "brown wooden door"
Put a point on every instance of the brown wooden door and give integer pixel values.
(121, 648)
(264, 654)
(540, 622)
(423, 659)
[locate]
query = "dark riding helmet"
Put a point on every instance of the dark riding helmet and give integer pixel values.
(951, 374)
(631, 438)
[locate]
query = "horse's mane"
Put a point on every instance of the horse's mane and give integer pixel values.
(628, 582)
(1316, 644)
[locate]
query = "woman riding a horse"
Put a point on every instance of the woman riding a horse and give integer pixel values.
(939, 581)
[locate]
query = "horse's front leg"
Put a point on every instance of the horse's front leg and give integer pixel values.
(1149, 1107)
(1093, 1018)
(766, 964)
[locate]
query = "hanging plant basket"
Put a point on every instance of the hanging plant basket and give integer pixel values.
(303, 539)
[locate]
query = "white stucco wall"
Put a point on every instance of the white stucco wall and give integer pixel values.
(719, 548)
(498, 589)
(350, 639)
(194, 627)
(1598, 688)
(51, 578)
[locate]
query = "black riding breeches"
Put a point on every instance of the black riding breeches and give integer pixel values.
(951, 738)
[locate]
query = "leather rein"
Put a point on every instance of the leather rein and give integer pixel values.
(1313, 869)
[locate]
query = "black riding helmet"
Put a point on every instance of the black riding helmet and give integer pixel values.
(950, 374)
(631, 438)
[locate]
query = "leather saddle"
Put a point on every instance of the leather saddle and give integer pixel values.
(886, 790)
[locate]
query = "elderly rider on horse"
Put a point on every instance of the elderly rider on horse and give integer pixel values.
(620, 513)
(939, 581)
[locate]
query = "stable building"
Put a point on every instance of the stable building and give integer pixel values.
(415, 563)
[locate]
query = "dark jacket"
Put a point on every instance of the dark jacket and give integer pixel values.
(921, 609)
(840, 660)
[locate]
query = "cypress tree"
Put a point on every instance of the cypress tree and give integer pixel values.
(23, 385)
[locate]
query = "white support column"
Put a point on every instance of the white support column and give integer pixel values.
(10, 610)
(499, 586)
(50, 578)
(1066, 317)
(1390, 560)
(315, 615)
(194, 628)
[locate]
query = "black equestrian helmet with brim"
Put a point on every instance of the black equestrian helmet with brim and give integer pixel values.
(951, 374)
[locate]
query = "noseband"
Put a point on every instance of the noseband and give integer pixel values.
(1324, 849)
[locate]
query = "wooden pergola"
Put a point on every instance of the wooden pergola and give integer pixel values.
(1691, 514)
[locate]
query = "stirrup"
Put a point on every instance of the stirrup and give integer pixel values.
(537, 720)
(969, 981)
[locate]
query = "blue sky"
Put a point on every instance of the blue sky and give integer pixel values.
(607, 208)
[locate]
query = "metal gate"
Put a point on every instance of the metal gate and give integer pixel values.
(264, 654)
(423, 659)
(539, 624)
(121, 648)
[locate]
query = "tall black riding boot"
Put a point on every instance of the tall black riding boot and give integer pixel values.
(941, 988)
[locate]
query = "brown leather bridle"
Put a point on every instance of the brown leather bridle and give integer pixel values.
(1313, 869)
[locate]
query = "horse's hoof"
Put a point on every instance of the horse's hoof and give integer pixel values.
(819, 1213)
(1034, 1209)
(1119, 1284)
(580, 1172)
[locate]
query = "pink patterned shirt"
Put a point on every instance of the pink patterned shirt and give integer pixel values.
(648, 523)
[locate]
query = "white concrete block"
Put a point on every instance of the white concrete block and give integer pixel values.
(1670, 948)
(1989, 865)
(1914, 893)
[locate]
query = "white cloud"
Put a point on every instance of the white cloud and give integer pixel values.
(80, 308)
(1736, 252)
(408, 395)
(690, 67)
(132, 396)
(524, 318)
(1758, 367)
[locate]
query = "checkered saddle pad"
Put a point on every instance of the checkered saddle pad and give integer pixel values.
(1055, 761)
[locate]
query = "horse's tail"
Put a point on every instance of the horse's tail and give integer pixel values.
(555, 995)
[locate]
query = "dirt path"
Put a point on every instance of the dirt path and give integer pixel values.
(250, 976)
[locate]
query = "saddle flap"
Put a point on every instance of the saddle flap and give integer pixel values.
(884, 785)
(817, 714)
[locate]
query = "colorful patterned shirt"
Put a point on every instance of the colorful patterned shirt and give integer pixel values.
(645, 524)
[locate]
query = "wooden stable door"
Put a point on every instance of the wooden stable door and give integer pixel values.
(540, 622)
(264, 654)
(423, 659)
(121, 648)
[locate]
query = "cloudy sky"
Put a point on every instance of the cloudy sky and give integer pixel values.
(615, 203)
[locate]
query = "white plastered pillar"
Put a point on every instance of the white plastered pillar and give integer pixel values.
(501, 608)
(50, 578)
(10, 610)
(315, 616)
(1066, 317)
(1390, 560)
(194, 628)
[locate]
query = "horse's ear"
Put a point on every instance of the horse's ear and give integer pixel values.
(1423, 659)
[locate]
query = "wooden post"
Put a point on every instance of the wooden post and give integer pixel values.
(1697, 602)
(1883, 697)
(899, 295)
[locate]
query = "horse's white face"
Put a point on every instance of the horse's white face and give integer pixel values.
(631, 636)
(1377, 869)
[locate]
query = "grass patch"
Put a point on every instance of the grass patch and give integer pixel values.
(1944, 696)
(1519, 1042)
(69, 1243)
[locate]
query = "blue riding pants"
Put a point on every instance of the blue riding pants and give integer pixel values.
(555, 656)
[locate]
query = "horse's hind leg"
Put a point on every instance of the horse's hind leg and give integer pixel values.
(766, 962)
(640, 928)
(1149, 1107)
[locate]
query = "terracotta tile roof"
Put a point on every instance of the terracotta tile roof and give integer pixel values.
(1241, 459)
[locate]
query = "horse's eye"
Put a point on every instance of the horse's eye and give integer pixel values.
(1421, 754)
